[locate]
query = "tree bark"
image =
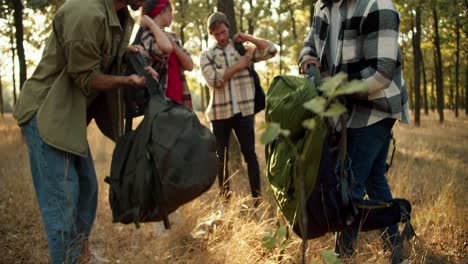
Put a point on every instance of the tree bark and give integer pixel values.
(417, 67)
(18, 15)
(227, 7)
(451, 92)
(2, 109)
(293, 21)
(311, 11)
(438, 67)
(466, 91)
(13, 73)
(457, 67)
(250, 22)
(280, 43)
(425, 98)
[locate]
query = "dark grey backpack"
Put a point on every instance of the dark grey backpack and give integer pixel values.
(167, 161)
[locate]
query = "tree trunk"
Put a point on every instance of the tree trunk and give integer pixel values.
(466, 90)
(425, 98)
(417, 67)
(241, 20)
(411, 93)
(250, 22)
(451, 92)
(18, 15)
(227, 7)
(280, 43)
(293, 21)
(433, 96)
(183, 9)
(311, 11)
(457, 67)
(13, 73)
(2, 109)
(438, 67)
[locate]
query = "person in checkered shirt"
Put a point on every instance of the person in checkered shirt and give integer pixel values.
(232, 90)
(360, 38)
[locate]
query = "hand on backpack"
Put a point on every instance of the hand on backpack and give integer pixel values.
(240, 37)
(244, 62)
(135, 80)
(306, 61)
(152, 72)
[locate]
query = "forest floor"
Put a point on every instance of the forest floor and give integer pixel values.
(430, 169)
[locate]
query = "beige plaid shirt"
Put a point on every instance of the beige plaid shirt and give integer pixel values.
(214, 61)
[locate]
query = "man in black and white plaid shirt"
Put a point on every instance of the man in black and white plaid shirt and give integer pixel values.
(360, 38)
(232, 93)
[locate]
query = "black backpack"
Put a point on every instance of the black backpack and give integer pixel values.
(167, 161)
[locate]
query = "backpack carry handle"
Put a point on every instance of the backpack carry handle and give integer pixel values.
(138, 63)
(313, 74)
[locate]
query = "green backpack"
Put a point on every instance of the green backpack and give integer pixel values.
(326, 204)
(284, 105)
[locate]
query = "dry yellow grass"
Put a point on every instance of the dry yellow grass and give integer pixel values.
(430, 169)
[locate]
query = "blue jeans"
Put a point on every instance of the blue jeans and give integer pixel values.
(66, 190)
(367, 148)
(243, 126)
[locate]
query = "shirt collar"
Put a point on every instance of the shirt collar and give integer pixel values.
(112, 13)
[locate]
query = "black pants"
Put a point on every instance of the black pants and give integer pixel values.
(243, 126)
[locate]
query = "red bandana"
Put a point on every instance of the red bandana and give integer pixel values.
(157, 8)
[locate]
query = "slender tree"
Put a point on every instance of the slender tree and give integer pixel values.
(13, 74)
(438, 66)
(417, 66)
(227, 7)
(19, 34)
(457, 65)
(1, 95)
(466, 90)
(425, 98)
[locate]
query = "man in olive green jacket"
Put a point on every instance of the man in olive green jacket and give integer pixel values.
(76, 80)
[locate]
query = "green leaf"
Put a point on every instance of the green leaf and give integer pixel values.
(309, 123)
(272, 130)
(330, 257)
(335, 109)
(265, 238)
(281, 232)
(269, 231)
(285, 243)
(355, 86)
(285, 132)
(330, 85)
(316, 105)
(270, 244)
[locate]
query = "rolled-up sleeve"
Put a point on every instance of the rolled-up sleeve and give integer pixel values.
(264, 54)
(84, 63)
(149, 44)
(82, 45)
(214, 74)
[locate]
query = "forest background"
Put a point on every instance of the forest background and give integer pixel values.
(434, 40)
(431, 158)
